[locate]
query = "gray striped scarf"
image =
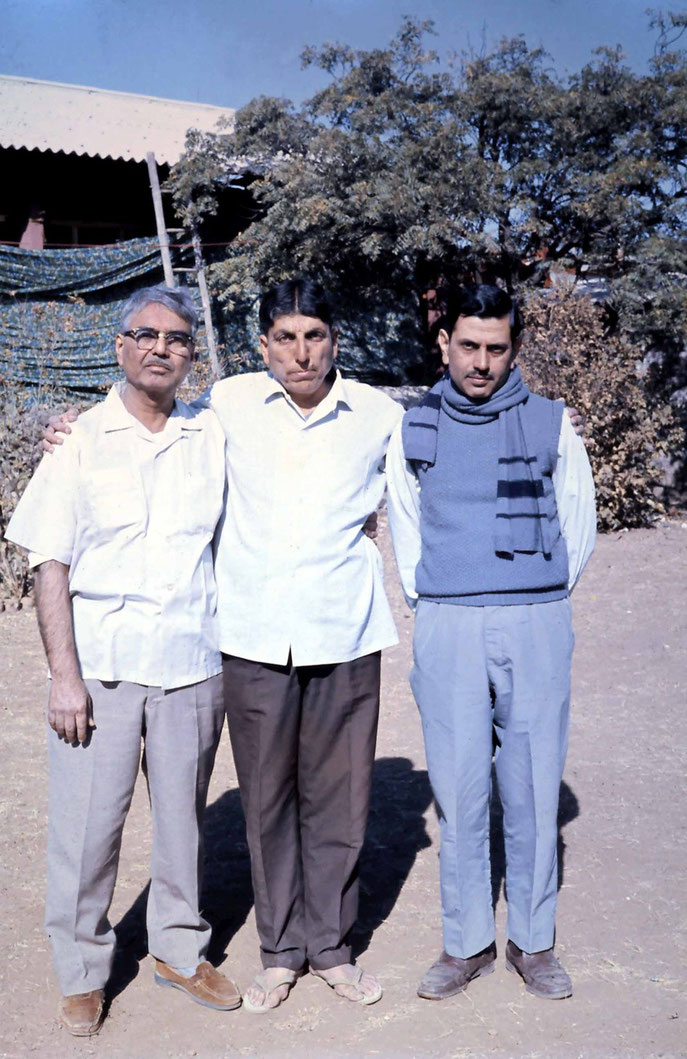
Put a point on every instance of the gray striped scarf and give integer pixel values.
(521, 521)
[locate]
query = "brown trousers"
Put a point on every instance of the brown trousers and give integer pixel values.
(304, 744)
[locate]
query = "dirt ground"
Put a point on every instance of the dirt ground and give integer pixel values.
(622, 920)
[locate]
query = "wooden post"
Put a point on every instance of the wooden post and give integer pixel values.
(205, 299)
(162, 236)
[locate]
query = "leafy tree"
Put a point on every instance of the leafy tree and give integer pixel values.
(400, 175)
(348, 188)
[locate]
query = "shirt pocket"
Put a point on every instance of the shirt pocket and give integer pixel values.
(113, 499)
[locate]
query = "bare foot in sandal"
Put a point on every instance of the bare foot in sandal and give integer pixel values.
(269, 989)
(350, 981)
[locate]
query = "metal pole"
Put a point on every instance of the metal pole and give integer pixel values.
(205, 299)
(162, 236)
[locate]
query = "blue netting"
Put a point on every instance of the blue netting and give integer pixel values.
(59, 273)
(59, 310)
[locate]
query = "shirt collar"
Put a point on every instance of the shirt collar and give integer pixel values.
(337, 396)
(117, 417)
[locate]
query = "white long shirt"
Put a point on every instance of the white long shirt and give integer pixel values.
(573, 486)
(133, 514)
(295, 572)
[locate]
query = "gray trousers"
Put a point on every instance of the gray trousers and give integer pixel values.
(505, 668)
(90, 793)
(304, 745)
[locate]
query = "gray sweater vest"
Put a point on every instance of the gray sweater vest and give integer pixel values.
(458, 561)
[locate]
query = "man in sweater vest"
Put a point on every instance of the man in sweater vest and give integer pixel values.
(491, 506)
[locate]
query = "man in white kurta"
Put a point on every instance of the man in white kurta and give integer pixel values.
(303, 619)
(120, 524)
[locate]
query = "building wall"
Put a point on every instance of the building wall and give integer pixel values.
(85, 201)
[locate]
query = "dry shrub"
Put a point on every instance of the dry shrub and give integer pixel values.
(630, 434)
(24, 411)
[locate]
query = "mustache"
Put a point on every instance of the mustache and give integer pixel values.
(158, 363)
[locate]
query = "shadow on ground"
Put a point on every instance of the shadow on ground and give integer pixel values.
(396, 833)
(227, 888)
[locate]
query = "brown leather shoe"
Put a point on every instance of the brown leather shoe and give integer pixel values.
(83, 1013)
(541, 972)
(207, 986)
(450, 974)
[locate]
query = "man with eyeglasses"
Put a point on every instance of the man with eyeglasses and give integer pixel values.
(120, 524)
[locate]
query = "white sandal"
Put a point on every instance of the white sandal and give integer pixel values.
(355, 982)
(288, 978)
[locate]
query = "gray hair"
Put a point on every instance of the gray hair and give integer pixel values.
(176, 299)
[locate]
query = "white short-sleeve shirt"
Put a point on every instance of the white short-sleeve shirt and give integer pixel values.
(133, 515)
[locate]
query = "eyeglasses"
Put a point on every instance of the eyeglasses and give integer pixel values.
(146, 338)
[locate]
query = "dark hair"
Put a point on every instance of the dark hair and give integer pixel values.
(298, 295)
(484, 301)
(177, 299)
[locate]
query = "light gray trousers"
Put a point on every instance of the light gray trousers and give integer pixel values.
(508, 668)
(90, 792)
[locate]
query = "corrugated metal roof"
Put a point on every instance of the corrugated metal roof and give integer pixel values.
(49, 116)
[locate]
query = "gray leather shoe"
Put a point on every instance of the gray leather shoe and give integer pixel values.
(542, 973)
(450, 974)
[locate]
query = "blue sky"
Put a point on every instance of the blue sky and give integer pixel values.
(226, 52)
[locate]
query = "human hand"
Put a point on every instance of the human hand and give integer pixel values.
(58, 425)
(370, 526)
(577, 420)
(70, 709)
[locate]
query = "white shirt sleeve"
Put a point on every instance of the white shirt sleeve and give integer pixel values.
(574, 490)
(36, 559)
(44, 520)
(403, 502)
